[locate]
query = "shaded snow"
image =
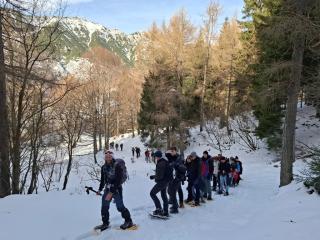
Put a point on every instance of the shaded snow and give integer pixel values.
(255, 210)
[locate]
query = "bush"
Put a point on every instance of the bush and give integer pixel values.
(311, 175)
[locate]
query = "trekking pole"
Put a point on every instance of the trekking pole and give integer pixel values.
(88, 189)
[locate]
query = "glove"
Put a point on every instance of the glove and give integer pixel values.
(98, 193)
(152, 177)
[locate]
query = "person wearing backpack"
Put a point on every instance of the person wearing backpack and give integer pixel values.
(113, 175)
(162, 178)
(177, 164)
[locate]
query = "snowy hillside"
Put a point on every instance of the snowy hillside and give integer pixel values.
(255, 210)
(79, 35)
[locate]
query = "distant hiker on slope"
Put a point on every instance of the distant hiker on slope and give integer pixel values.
(138, 150)
(147, 155)
(112, 175)
(133, 151)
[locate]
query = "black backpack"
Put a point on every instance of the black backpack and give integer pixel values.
(122, 164)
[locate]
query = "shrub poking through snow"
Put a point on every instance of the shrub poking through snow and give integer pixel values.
(311, 174)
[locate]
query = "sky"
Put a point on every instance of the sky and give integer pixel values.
(137, 15)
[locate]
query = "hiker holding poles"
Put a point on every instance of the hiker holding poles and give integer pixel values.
(113, 175)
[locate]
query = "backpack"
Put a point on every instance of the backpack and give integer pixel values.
(122, 164)
(240, 167)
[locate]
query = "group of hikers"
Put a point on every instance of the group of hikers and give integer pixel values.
(203, 174)
(136, 151)
(116, 146)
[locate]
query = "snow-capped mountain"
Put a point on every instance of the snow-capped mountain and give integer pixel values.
(79, 35)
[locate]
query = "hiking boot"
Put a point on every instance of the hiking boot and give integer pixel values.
(127, 224)
(164, 214)
(205, 195)
(226, 194)
(195, 204)
(188, 201)
(203, 201)
(157, 212)
(174, 211)
(181, 205)
(209, 199)
(102, 227)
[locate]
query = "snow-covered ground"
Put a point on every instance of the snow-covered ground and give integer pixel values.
(257, 209)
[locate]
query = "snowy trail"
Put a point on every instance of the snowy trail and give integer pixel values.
(255, 210)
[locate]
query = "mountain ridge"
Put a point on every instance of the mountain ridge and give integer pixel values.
(78, 35)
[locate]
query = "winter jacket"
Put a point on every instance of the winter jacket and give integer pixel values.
(224, 168)
(206, 167)
(111, 175)
(194, 169)
(177, 164)
(163, 171)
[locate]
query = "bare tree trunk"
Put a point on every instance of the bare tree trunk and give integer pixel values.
(117, 122)
(204, 84)
(95, 148)
(229, 97)
(100, 134)
(66, 177)
(168, 138)
(4, 125)
(288, 138)
(132, 122)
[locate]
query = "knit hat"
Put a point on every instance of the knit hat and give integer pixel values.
(158, 154)
(205, 152)
(193, 154)
(109, 152)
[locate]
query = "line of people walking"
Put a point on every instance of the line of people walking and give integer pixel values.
(204, 175)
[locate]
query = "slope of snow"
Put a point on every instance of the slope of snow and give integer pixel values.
(256, 209)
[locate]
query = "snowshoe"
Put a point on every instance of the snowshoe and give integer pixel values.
(101, 227)
(127, 225)
(157, 212)
(195, 204)
(160, 216)
(174, 211)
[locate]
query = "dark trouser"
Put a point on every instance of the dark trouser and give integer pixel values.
(180, 193)
(197, 189)
(190, 191)
(173, 188)
(119, 203)
(160, 187)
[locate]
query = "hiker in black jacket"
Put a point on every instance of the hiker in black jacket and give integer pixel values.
(177, 164)
(111, 176)
(224, 169)
(162, 177)
(193, 173)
